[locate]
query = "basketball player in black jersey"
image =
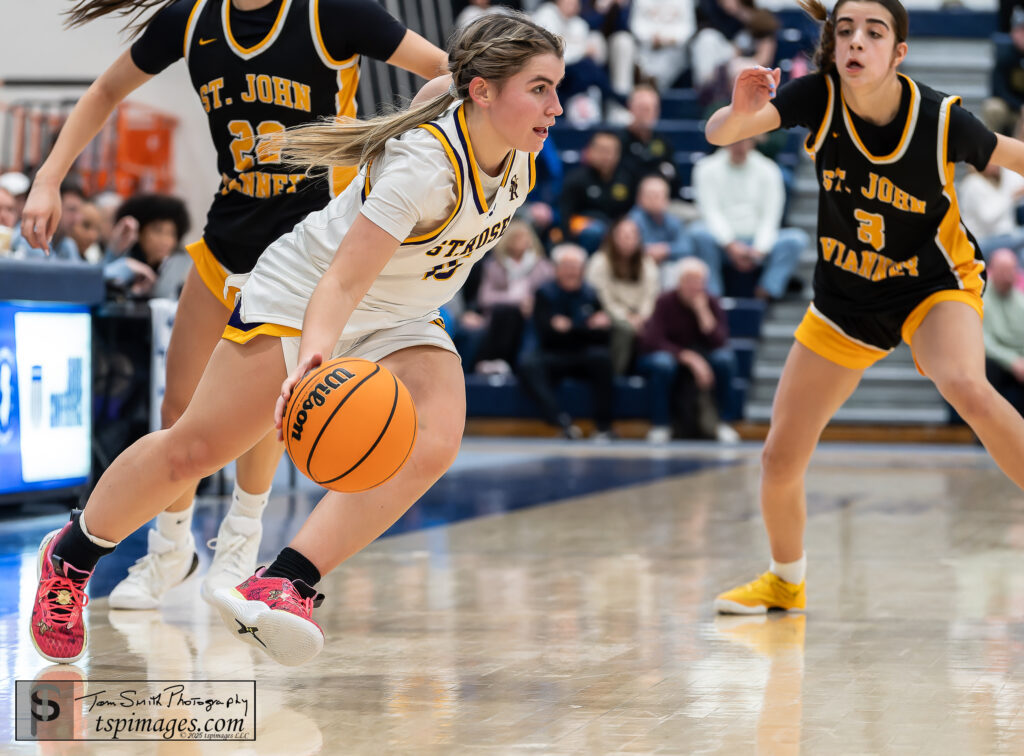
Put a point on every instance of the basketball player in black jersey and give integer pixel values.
(894, 260)
(258, 66)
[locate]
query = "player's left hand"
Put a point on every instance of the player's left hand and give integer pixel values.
(304, 366)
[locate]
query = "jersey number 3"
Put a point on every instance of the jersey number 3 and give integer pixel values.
(244, 143)
(871, 229)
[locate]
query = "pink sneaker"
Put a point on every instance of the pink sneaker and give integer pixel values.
(272, 614)
(58, 630)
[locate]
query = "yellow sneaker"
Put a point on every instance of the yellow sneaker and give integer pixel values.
(767, 592)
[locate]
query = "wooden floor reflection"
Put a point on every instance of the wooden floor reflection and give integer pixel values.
(585, 626)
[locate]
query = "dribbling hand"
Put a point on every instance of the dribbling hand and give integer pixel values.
(311, 362)
(753, 89)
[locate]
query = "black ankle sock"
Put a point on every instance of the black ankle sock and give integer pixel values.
(75, 548)
(294, 566)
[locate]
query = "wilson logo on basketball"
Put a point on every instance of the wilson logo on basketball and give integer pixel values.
(351, 424)
(317, 397)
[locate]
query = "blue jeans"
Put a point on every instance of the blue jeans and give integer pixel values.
(776, 270)
(660, 369)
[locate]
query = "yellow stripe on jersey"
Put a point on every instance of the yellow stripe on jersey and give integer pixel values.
(348, 80)
(826, 122)
(318, 35)
(533, 172)
(952, 238)
(264, 329)
(211, 272)
(440, 136)
(263, 43)
(908, 127)
(826, 339)
(190, 26)
(508, 168)
(460, 126)
(917, 315)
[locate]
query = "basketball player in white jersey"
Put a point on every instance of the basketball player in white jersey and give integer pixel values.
(363, 278)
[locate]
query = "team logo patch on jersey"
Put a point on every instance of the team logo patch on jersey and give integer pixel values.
(513, 188)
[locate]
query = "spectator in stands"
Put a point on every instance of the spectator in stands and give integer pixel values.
(511, 275)
(663, 29)
(162, 223)
(644, 149)
(8, 209)
(8, 220)
(62, 246)
(474, 9)
(988, 206)
(611, 19)
(595, 193)
(573, 333)
(586, 53)
(17, 184)
(1003, 327)
(662, 234)
(627, 283)
(718, 59)
(684, 354)
(108, 203)
(86, 234)
(1002, 111)
(740, 195)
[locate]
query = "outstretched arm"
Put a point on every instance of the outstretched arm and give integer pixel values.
(751, 112)
(42, 209)
(1009, 153)
(416, 54)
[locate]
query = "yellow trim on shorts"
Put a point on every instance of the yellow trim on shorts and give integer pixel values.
(212, 273)
(918, 314)
(263, 329)
(835, 346)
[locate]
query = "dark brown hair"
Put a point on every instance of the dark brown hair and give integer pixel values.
(825, 55)
(84, 11)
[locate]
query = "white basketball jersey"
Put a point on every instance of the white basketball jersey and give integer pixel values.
(427, 269)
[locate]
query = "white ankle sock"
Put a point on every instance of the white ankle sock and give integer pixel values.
(175, 526)
(791, 572)
(245, 504)
(90, 536)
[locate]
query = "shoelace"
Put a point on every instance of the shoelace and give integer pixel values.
(147, 567)
(64, 613)
(231, 552)
(297, 601)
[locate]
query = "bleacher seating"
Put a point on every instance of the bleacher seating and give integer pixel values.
(500, 396)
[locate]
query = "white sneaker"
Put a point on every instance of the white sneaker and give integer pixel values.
(659, 434)
(726, 434)
(165, 565)
(236, 547)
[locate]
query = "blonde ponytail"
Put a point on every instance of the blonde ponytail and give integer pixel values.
(495, 47)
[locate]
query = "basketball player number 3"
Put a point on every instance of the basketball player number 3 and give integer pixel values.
(871, 230)
(244, 143)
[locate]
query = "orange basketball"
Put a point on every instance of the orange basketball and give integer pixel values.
(349, 425)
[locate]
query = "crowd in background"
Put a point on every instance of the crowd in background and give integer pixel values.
(625, 258)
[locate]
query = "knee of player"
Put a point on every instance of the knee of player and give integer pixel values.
(778, 459)
(438, 446)
(191, 458)
(971, 395)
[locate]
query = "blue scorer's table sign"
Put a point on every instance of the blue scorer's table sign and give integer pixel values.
(45, 391)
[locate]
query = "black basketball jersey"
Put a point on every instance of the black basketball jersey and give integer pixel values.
(889, 228)
(286, 79)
